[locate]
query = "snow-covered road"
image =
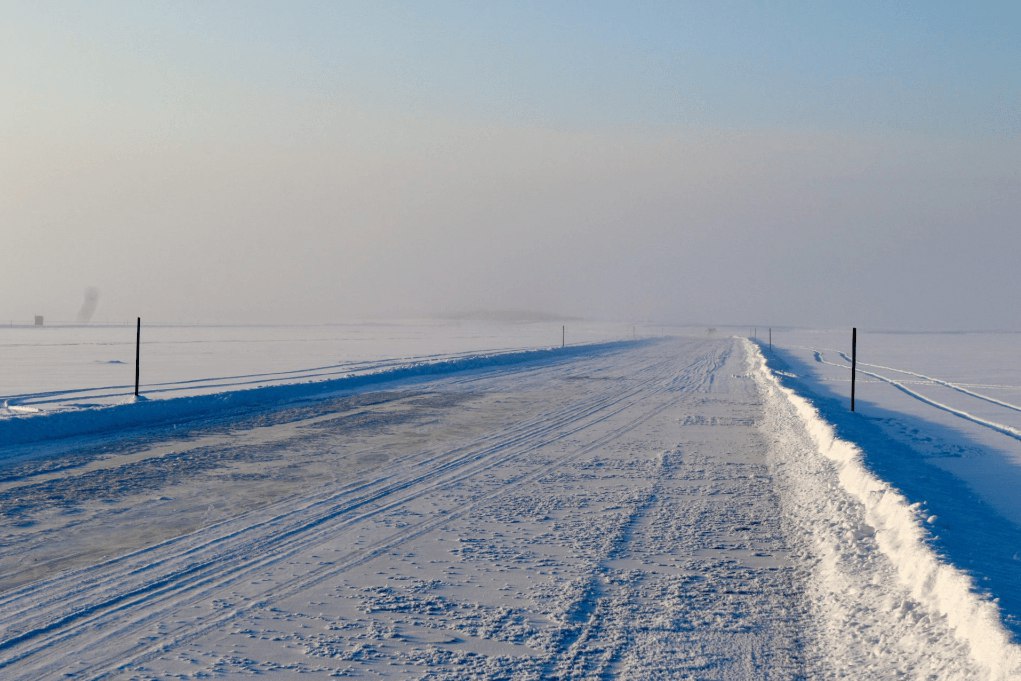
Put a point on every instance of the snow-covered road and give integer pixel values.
(665, 510)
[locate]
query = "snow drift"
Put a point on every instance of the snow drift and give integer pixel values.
(25, 428)
(945, 592)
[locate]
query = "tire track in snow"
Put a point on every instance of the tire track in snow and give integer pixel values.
(165, 589)
(583, 617)
(418, 529)
(363, 555)
(395, 469)
(1009, 431)
(440, 463)
(689, 585)
(939, 381)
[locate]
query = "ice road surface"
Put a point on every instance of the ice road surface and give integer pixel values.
(652, 510)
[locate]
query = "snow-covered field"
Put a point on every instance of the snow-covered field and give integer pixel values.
(667, 508)
(61, 367)
(939, 416)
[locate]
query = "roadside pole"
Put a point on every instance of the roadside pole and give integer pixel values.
(854, 361)
(138, 351)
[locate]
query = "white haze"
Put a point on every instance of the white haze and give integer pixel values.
(184, 197)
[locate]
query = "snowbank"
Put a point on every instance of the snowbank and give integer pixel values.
(942, 589)
(26, 428)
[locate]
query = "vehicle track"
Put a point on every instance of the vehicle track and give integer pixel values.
(389, 480)
(1001, 428)
(939, 381)
(200, 565)
(409, 533)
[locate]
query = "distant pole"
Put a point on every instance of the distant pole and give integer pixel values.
(563, 336)
(138, 352)
(771, 339)
(755, 333)
(854, 361)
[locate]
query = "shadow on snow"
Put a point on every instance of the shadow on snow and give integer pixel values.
(968, 532)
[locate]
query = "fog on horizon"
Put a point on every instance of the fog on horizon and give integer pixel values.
(309, 162)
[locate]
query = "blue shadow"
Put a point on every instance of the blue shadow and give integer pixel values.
(968, 532)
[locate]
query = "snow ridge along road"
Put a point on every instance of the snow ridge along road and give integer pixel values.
(664, 510)
(871, 545)
(20, 423)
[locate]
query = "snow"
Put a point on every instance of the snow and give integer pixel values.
(937, 418)
(933, 599)
(62, 367)
(139, 411)
(656, 509)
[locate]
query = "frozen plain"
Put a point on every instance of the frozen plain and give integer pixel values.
(54, 368)
(652, 510)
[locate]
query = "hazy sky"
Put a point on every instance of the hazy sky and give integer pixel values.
(708, 162)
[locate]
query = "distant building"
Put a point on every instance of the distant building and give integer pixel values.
(38, 320)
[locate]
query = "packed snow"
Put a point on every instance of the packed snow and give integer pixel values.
(685, 507)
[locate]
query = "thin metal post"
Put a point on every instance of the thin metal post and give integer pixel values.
(854, 361)
(563, 336)
(771, 339)
(138, 352)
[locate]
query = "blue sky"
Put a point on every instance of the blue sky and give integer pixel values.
(583, 157)
(924, 67)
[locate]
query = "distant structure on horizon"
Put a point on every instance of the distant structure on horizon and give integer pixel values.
(38, 320)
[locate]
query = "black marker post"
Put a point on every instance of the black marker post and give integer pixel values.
(854, 361)
(138, 351)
